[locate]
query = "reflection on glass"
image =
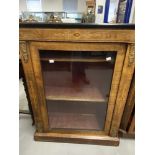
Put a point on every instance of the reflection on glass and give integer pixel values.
(77, 86)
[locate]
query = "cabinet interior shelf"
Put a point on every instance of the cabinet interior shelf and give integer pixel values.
(71, 94)
(69, 59)
(75, 121)
(76, 115)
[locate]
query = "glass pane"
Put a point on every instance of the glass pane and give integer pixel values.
(77, 86)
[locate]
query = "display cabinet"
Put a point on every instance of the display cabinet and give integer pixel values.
(78, 78)
(43, 17)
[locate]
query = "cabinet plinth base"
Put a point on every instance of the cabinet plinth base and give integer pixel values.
(77, 138)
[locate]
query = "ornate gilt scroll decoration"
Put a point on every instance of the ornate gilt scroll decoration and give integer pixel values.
(131, 57)
(23, 52)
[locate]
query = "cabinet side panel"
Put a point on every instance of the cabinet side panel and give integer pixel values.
(129, 106)
(132, 126)
(30, 81)
(124, 86)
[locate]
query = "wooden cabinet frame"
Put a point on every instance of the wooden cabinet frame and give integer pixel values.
(127, 126)
(33, 40)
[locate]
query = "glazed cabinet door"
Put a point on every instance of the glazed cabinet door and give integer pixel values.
(76, 84)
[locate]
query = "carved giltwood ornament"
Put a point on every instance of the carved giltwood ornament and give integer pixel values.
(131, 57)
(23, 52)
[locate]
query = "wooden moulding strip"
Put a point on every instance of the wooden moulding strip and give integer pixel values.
(114, 86)
(77, 138)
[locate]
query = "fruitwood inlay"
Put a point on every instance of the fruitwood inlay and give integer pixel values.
(80, 35)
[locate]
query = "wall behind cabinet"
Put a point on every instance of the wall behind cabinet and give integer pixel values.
(53, 5)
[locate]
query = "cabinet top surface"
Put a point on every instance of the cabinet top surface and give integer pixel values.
(77, 25)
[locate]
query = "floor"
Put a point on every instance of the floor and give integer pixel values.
(30, 147)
